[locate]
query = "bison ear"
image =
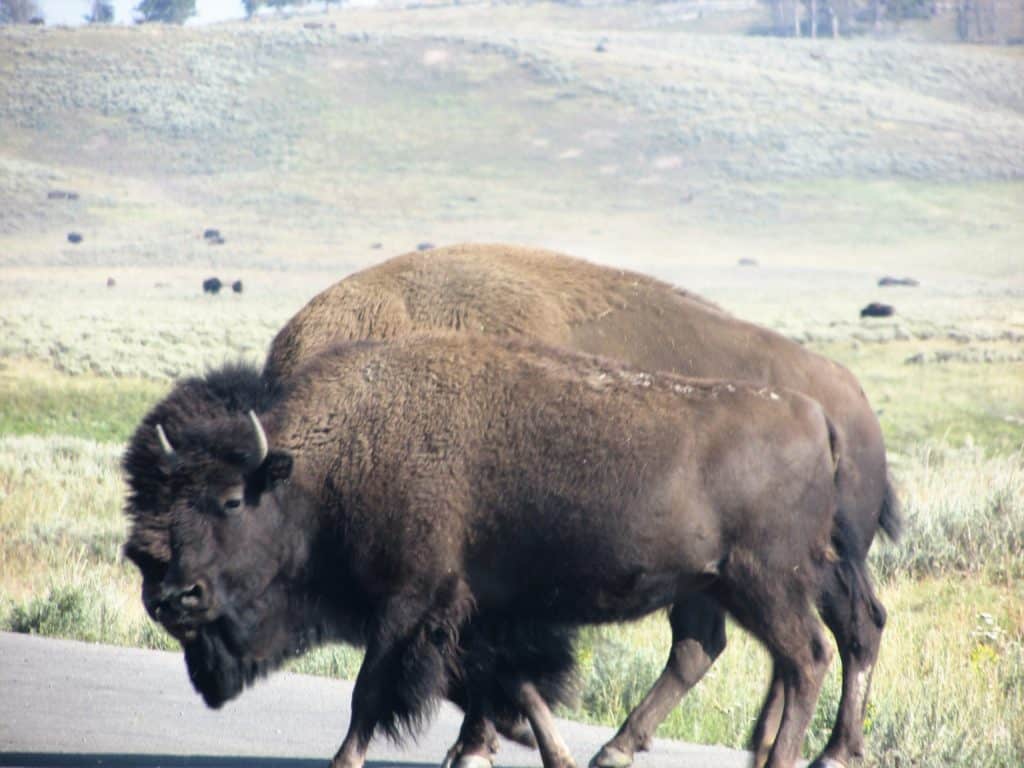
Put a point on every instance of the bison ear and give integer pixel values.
(276, 468)
(279, 466)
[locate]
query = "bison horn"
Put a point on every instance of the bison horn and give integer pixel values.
(164, 442)
(261, 436)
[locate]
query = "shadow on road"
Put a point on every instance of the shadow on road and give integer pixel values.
(71, 760)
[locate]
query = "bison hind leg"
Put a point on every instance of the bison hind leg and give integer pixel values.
(775, 605)
(856, 618)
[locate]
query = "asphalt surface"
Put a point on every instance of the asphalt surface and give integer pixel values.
(66, 704)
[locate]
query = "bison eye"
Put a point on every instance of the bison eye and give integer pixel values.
(232, 504)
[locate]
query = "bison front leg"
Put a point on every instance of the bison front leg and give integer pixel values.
(553, 751)
(412, 653)
(352, 753)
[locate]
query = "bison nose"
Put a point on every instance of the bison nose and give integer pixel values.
(194, 598)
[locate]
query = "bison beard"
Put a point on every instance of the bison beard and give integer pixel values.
(218, 673)
(243, 645)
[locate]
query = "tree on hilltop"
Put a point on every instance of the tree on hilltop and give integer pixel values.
(102, 12)
(166, 11)
(18, 11)
(280, 5)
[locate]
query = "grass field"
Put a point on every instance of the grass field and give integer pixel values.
(681, 147)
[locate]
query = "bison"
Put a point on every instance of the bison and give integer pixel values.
(571, 303)
(394, 494)
(889, 280)
(212, 285)
(877, 309)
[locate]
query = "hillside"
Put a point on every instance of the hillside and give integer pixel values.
(307, 141)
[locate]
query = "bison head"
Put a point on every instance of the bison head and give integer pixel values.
(221, 556)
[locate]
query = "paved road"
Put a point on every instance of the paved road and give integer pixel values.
(65, 704)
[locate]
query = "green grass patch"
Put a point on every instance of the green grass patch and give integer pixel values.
(948, 690)
(83, 609)
(959, 403)
(963, 512)
(36, 400)
(943, 214)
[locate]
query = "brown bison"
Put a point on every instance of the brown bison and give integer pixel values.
(877, 309)
(506, 290)
(393, 495)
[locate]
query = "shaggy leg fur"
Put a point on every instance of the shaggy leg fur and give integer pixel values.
(413, 650)
(698, 637)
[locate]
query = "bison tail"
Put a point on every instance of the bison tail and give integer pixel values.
(890, 518)
(844, 536)
(890, 515)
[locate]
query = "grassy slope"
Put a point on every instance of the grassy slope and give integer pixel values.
(449, 124)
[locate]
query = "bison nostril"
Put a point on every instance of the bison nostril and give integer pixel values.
(193, 597)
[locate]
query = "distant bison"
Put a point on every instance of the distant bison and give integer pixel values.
(889, 281)
(571, 303)
(61, 194)
(212, 285)
(747, 262)
(111, 282)
(211, 234)
(237, 286)
(877, 309)
(75, 238)
(399, 495)
(425, 246)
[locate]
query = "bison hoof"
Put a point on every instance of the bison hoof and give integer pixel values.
(827, 762)
(610, 757)
(472, 761)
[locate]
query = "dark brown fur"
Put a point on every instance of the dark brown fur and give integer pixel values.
(412, 486)
(508, 290)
